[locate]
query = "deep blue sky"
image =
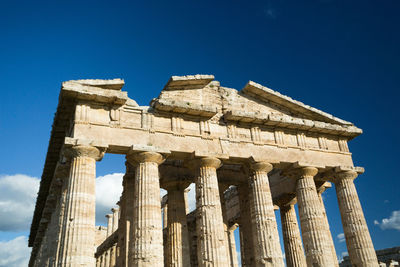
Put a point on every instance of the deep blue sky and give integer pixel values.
(339, 56)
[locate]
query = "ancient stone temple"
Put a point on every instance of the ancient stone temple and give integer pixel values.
(248, 152)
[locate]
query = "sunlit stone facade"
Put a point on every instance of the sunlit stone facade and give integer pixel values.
(248, 153)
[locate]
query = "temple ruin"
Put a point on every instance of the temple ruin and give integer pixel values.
(249, 153)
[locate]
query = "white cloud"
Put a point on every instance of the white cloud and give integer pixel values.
(393, 222)
(14, 253)
(341, 237)
(17, 201)
(108, 192)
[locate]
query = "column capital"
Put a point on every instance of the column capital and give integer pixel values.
(209, 162)
(108, 216)
(300, 172)
(286, 200)
(261, 166)
(176, 184)
(346, 175)
(84, 151)
(116, 209)
(142, 157)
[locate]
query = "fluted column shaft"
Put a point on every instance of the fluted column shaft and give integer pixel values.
(317, 250)
(115, 213)
(147, 240)
(245, 228)
(165, 216)
(211, 250)
(109, 232)
(113, 255)
(113, 249)
(291, 238)
(125, 221)
(222, 188)
(109, 224)
(61, 226)
(328, 230)
(265, 230)
(232, 246)
(359, 244)
(54, 227)
(79, 220)
(120, 260)
(178, 253)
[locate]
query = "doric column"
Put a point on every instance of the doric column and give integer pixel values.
(232, 246)
(265, 231)
(291, 237)
(59, 184)
(102, 261)
(186, 200)
(177, 251)
(109, 224)
(245, 228)
(326, 224)
(112, 256)
(113, 249)
(125, 222)
(109, 232)
(317, 250)
(78, 236)
(115, 213)
(147, 240)
(222, 189)
(211, 250)
(107, 258)
(359, 244)
(164, 207)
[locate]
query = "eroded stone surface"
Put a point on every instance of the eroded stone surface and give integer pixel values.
(193, 128)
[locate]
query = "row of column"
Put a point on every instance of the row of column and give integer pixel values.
(317, 240)
(145, 244)
(108, 258)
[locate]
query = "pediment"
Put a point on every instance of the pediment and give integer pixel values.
(200, 95)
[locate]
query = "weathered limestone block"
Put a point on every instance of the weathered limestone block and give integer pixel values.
(245, 228)
(265, 231)
(315, 239)
(78, 234)
(358, 240)
(146, 247)
(211, 250)
(294, 252)
(177, 251)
